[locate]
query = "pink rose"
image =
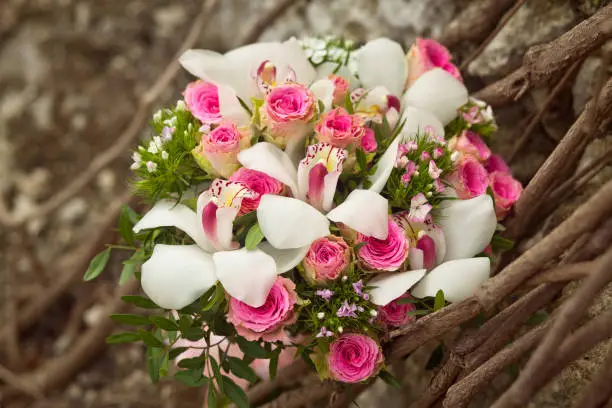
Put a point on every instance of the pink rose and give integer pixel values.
(496, 163)
(267, 321)
(469, 142)
(341, 86)
(327, 259)
(368, 142)
(217, 153)
(384, 254)
(470, 179)
(395, 314)
(340, 129)
(354, 358)
(258, 182)
(286, 111)
(506, 191)
(202, 100)
(426, 55)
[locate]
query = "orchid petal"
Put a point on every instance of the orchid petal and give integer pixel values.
(269, 159)
(292, 55)
(416, 258)
(289, 223)
(384, 167)
(330, 182)
(391, 74)
(246, 275)
(327, 68)
(390, 286)
(438, 92)
(458, 279)
(166, 213)
(418, 121)
(176, 275)
(286, 259)
(230, 107)
(323, 90)
(205, 64)
(225, 224)
(364, 211)
(468, 226)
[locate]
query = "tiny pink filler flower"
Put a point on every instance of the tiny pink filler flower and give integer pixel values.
(267, 321)
(217, 153)
(327, 259)
(354, 358)
(471, 143)
(202, 100)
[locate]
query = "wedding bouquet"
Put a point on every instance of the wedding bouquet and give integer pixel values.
(311, 195)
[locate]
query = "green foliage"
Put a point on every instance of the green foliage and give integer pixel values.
(439, 302)
(254, 237)
(390, 379)
(97, 265)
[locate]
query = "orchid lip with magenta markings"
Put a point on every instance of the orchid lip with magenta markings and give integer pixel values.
(310, 195)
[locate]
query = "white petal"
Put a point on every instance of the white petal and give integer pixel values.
(230, 108)
(176, 275)
(292, 55)
(364, 211)
(165, 213)
(246, 275)
(204, 64)
(290, 223)
(381, 62)
(330, 182)
(438, 92)
(416, 122)
(323, 89)
(269, 159)
(390, 286)
(468, 226)
(327, 68)
(225, 224)
(458, 279)
(286, 259)
(384, 167)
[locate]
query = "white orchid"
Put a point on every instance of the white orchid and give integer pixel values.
(468, 226)
(176, 275)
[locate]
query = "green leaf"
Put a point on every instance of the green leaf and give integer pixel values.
(218, 297)
(97, 265)
(274, 363)
(537, 318)
(176, 351)
(390, 379)
(436, 358)
(125, 337)
(321, 106)
(499, 243)
(417, 313)
(126, 225)
(154, 357)
(406, 300)
(212, 396)
(127, 272)
(150, 340)
(439, 300)
(253, 237)
(235, 393)
(246, 219)
(164, 323)
(216, 371)
(193, 333)
(139, 301)
(252, 348)
(191, 378)
(192, 363)
(241, 369)
(130, 319)
(362, 161)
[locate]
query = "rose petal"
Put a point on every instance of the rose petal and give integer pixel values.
(230, 107)
(468, 226)
(381, 62)
(364, 211)
(458, 279)
(165, 213)
(323, 89)
(269, 159)
(417, 121)
(438, 92)
(176, 275)
(289, 223)
(384, 167)
(246, 275)
(390, 286)
(286, 259)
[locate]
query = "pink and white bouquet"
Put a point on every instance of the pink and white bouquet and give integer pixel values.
(310, 195)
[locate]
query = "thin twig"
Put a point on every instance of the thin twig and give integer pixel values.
(569, 315)
(266, 21)
(520, 141)
(598, 391)
(502, 23)
(562, 273)
(16, 382)
(124, 141)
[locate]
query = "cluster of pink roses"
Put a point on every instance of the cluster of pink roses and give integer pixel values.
(477, 170)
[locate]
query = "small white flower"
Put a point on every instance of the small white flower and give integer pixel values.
(153, 147)
(135, 166)
(373, 313)
(320, 315)
(157, 116)
(136, 157)
(164, 155)
(454, 156)
(318, 56)
(344, 278)
(166, 133)
(340, 329)
(180, 105)
(171, 122)
(151, 166)
(428, 194)
(190, 127)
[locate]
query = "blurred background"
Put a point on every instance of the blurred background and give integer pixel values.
(78, 79)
